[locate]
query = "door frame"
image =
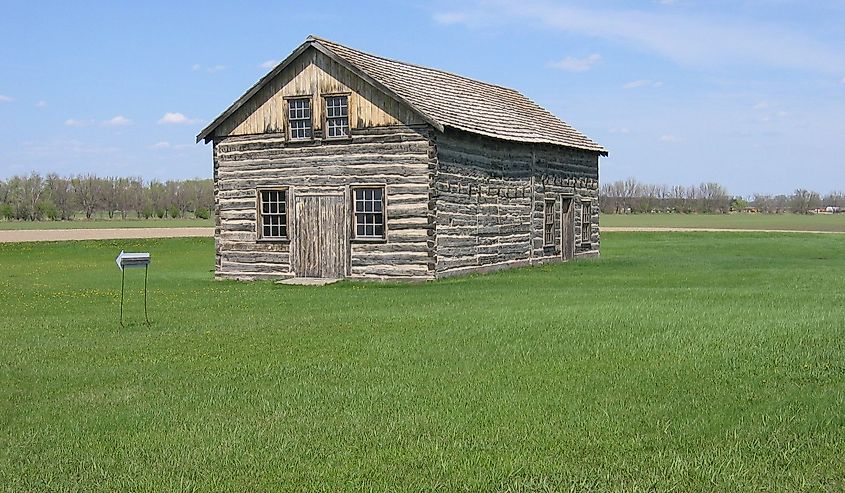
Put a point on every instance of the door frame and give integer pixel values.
(567, 223)
(298, 236)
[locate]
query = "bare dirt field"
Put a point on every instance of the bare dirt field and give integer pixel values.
(14, 236)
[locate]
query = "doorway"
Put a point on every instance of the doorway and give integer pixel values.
(320, 242)
(567, 228)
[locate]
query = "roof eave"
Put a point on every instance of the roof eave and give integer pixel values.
(206, 132)
(599, 149)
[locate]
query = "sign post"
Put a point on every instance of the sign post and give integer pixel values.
(132, 261)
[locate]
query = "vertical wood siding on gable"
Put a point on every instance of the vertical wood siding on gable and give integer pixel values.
(397, 157)
(490, 199)
(314, 74)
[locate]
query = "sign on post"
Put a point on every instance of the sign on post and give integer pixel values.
(126, 260)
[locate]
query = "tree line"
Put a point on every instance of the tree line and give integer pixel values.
(54, 197)
(632, 196)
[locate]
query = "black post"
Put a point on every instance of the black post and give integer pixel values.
(122, 279)
(146, 268)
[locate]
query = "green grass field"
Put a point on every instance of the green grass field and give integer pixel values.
(799, 222)
(678, 361)
(108, 223)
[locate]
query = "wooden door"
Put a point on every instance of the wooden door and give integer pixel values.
(567, 228)
(320, 242)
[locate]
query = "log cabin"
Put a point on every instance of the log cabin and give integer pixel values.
(343, 164)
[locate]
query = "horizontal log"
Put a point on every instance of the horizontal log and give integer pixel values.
(392, 271)
(375, 248)
(246, 246)
(392, 259)
(253, 257)
(259, 268)
(333, 168)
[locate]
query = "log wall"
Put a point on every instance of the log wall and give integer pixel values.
(397, 157)
(490, 198)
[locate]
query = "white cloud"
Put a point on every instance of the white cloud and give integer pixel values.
(6, 99)
(620, 130)
(73, 122)
(211, 70)
(572, 64)
(447, 18)
(117, 121)
(165, 145)
(695, 40)
(177, 118)
(842, 81)
(669, 138)
(269, 64)
(636, 84)
(60, 149)
(762, 105)
(41, 104)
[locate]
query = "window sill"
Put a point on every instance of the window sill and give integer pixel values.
(273, 240)
(301, 142)
(348, 138)
(368, 240)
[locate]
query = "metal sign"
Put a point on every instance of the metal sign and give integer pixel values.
(129, 260)
(132, 261)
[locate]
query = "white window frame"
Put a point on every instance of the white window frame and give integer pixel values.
(330, 122)
(355, 213)
(549, 213)
(284, 214)
(289, 109)
(586, 221)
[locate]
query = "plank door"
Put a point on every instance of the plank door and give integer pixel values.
(320, 243)
(567, 228)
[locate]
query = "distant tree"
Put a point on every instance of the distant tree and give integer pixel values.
(158, 197)
(802, 200)
(60, 192)
(762, 202)
(835, 199)
(87, 193)
(738, 204)
(109, 195)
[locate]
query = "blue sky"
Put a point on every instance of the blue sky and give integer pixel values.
(749, 93)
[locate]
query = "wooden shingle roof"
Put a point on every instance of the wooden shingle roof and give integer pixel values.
(444, 99)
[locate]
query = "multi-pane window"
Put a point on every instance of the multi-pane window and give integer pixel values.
(337, 116)
(299, 118)
(369, 212)
(549, 223)
(586, 221)
(273, 207)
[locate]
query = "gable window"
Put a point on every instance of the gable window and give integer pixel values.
(299, 118)
(549, 223)
(337, 116)
(369, 212)
(273, 217)
(586, 222)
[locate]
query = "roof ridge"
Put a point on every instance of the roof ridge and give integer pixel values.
(312, 37)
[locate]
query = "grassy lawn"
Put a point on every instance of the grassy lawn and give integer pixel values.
(800, 222)
(684, 362)
(108, 223)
